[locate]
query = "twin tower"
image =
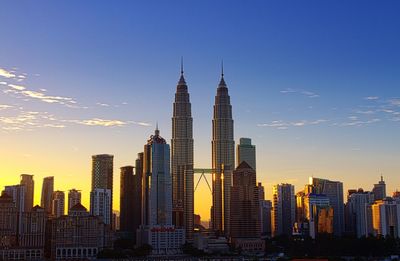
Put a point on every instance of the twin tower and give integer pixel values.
(223, 147)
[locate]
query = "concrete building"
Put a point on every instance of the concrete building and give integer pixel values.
(102, 176)
(47, 194)
(245, 230)
(386, 217)
(27, 181)
(126, 200)
(379, 190)
(58, 204)
(78, 236)
(357, 214)
(223, 159)
(100, 201)
(182, 159)
(284, 209)
(245, 151)
(334, 191)
(319, 214)
(74, 197)
(157, 229)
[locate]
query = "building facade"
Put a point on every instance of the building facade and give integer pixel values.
(27, 181)
(319, 214)
(223, 159)
(100, 202)
(58, 204)
(182, 159)
(357, 213)
(245, 151)
(386, 218)
(126, 200)
(47, 194)
(283, 210)
(74, 197)
(379, 190)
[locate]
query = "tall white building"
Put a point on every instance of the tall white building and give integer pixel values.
(223, 159)
(182, 159)
(157, 229)
(386, 217)
(357, 209)
(100, 204)
(283, 209)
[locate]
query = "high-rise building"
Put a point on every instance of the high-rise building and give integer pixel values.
(137, 192)
(318, 213)
(182, 159)
(223, 159)
(47, 194)
(157, 229)
(74, 197)
(245, 230)
(17, 193)
(386, 218)
(100, 202)
(27, 181)
(102, 177)
(58, 203)
(283, 211)
(126, 199)
(357, 215)
(245, 151)
(266, 208)
(379, 190)
(334, 191)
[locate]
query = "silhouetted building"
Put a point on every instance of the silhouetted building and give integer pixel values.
(245, 231)
(182, 159)
(284, 209)
(77, 236)
(223, 159)
(58, 203)
(126, 200)
(334, 191)
(379, 190)
(27, 181)
(47, 194)
(157, 229)
(100, 201)
(245, 151)
(138, 190)
(266, 221)
(74, 197)
(102, 177)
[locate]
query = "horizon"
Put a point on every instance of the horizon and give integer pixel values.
(315, 86)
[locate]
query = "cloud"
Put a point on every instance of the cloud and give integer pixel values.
(284, 125)
(6, 74)
(371, 98)
(359, 122)
(5, 106)
(17, 87)
(395, 102)
(140, 123)
(309, 94)
(100, 122)
(103, 104)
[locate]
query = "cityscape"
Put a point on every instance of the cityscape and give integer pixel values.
(127, 173)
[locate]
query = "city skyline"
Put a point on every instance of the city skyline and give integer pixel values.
(315, 100)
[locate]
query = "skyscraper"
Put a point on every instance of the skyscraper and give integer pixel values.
(74, 197)
(245, 209)
(357, 212)
(102, 177)
(334, 191)
(386, 218)
(223, 158)
(137, 192)
(318, 213)
(182, 159)
(58, 203)
(100, 204)
(27, 181)
(47, 194)
(283, 212)
(157, 229)
(379, 190)
(126, 199)
(246, 152)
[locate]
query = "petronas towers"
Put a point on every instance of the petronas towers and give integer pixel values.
(182, 159)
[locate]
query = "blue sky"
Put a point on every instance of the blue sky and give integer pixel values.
(315, 84)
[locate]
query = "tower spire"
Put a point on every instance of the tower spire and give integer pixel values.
(181, 65)
(182, 79)
(157, 131)
(222, 68)
(222, 81)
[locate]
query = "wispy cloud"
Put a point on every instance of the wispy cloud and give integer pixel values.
(371, 98)
(103, 104)
(283, 125)
(358, 123)
(7, 74)
(17, 87)
(100, 122)
(309, 94)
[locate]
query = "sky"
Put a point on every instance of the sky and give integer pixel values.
(314, 84)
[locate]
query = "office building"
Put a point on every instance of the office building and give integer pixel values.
(318, 213)
(126, 199)
(157, 229)
(334, 191)
(27, 181)
(357, 214)
(283, 209)
(182, 159)
(137, 191)
(47, 194)
(245, 151)
(386, 218)
(223, 159)
(100, 201)
(58, 203)
(74, 197)
(379, 190)
(17, 193)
